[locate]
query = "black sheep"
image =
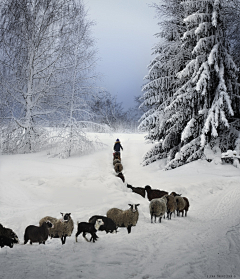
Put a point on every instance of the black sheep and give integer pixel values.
(137, 190)
(6, 241)
(120, 175)
(8, 233)
(37, 234)
(154, 193)
(108, 226)
(85, 228)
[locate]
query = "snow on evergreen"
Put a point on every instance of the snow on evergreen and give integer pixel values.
(199, 108)
(162, 82)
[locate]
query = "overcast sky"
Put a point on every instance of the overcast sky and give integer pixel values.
(124, 32)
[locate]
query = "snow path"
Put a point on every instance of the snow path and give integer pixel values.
(205, 243)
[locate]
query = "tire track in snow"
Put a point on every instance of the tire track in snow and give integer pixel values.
(233, 237)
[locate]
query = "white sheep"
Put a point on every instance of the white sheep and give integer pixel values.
(158, 208)
(124, 218)
(62, 227)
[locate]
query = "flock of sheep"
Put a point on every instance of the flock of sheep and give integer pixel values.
(160, 203)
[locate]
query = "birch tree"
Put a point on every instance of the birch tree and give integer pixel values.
(34, 34)
(77, 114)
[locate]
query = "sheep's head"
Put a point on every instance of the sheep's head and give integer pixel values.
(14, 237)
(134, 207)
(147, 187)
(175, 194)
(49, 224)
(66, 217)
(11, 234)
(98, 223)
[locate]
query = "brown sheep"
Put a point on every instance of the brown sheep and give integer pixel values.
(118, 167)
(186, 207)
(180, 202)
(154, 193)
(116, 155)
(116, 161)
(171, 205)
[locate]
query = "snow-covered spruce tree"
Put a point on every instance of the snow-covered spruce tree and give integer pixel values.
(170, 58)
(231, 13)
(33, 38)
(205, 99)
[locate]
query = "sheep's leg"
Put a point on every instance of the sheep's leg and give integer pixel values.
(93, 237)
(160, 218)
(26, 240)
(170, 214)
(84, 235)
(63, 239)
(151, 218)
(129, 229)
(76, 235)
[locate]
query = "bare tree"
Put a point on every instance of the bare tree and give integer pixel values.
(108, 110)
(76, 113)
(33, 40)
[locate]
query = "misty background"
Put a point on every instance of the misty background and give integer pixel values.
(124, 33)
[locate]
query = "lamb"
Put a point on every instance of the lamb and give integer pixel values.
(171, 206)
(154, 193)
(186, 207)
(6, 241)
(37, 234)
(120, 175)
(62, 227)
(157, 208)
(137, 190)
(115, 161)
(91, 228)
(118, 167)
(124, 218)
(108, 226)
(6, 232)
(179, 201)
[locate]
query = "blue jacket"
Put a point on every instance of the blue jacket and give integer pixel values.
(117, 146)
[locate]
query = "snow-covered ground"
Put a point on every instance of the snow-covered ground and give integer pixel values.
(206, 244)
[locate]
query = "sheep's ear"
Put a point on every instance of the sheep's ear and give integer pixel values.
(61, 213)
(130, 204)
(137, 204)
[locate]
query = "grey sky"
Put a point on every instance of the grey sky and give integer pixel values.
(125, 35)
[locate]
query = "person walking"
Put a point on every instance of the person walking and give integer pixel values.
(117, 146)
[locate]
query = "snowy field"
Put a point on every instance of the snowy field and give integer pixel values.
(206, 244)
